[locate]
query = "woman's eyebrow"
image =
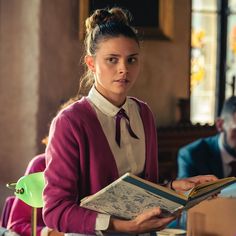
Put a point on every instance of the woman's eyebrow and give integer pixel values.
(118, 55)
(134, 54)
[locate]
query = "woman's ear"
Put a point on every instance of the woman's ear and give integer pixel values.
(220, 124)
(89, 60)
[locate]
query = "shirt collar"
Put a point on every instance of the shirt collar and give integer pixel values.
(103, 104)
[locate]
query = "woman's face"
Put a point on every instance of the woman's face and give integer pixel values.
(116, 66)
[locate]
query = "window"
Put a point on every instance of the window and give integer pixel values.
(213, 57)
(203, 60)
(231, 50)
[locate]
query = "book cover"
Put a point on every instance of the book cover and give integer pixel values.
(130, 195)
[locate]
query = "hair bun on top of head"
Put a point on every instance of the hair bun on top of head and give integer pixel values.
(103, 16)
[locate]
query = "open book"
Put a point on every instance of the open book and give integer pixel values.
(130, 195)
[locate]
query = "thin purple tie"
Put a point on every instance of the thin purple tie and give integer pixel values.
(119, 115)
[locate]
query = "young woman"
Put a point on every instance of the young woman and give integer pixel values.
(91, 144)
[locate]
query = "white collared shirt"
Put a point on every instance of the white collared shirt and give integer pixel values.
(130, 156)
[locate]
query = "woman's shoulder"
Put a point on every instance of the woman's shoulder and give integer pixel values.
(142, 104)
(80, 106)
(37, 164)
(78, 111)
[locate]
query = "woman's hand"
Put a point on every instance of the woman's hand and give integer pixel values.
(148, 221)
(188, 183)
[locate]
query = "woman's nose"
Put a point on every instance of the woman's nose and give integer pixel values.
(123, 68)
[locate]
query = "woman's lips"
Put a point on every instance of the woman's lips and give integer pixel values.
(123, 81)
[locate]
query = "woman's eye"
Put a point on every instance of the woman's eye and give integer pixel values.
(132, 60)
(112, 60)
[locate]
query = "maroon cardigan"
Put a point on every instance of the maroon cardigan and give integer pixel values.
(79, 162)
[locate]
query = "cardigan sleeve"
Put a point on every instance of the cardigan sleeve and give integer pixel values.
(61, 194)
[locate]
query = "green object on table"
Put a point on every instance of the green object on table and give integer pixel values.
(29, 189)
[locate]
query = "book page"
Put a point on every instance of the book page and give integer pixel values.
(126, 200)
(210, 186)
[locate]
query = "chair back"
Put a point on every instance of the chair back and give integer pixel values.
(6, 211)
